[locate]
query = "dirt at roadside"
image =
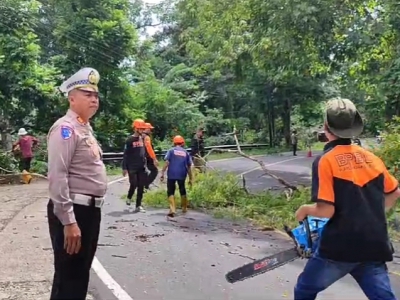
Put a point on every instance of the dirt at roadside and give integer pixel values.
(26, 258)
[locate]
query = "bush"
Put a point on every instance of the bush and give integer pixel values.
(8, 162)
(222, 195)
(389, 152)
(39, 167)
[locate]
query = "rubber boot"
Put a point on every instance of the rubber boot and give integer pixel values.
(26, 177)
(171, 200)
(184, 203)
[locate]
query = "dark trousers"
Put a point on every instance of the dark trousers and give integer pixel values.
(320, 273)
(137, 180)
(152, 176)
(25, 163)
(71, 272)
(294, 149)
(171, 186)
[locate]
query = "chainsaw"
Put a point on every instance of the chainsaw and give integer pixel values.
(305, 237)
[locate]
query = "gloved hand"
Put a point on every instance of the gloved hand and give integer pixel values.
(147, 171)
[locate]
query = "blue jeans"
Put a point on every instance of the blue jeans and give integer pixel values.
(320, 273)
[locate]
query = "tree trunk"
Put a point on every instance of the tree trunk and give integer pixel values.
(5, 137)
(270, 114)
(286, 120)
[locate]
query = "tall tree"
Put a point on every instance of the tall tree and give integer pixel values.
(26, 85)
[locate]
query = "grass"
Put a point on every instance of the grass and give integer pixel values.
(223, 197)
(113, 170)
(318, 146)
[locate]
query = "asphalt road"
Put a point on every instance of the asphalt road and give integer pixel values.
(294, 169)
(155, 259)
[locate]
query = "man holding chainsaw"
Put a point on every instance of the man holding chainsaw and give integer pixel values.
(351, 187)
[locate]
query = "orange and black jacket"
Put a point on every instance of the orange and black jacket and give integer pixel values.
(134, 154)
(355, 181)
(150, 155)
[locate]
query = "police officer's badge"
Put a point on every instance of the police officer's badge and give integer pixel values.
(94, 147)
(95, 151)
(93, 77)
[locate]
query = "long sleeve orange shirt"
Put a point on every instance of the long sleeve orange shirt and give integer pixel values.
(149, 147)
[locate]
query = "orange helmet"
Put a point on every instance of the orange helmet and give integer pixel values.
(178, 140)
(139, 124)
(149, 126)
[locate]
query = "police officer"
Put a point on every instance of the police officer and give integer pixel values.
(197, 150)
(152, 162)
(134, 164)
(77, 185)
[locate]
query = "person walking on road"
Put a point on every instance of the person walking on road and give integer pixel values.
(77, 185)
(179, 164)
(197, 150)
(353, 188)
(294, 141)
(152, 162)
(134, 164)
(25, 145)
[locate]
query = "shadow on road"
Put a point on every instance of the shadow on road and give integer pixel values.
(195, 223)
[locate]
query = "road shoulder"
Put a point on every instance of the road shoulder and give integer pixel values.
(26, 255)
(26, 258)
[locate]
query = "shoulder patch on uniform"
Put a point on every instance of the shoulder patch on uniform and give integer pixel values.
(66, 132)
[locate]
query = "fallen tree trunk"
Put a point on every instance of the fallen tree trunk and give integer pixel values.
(239, 152)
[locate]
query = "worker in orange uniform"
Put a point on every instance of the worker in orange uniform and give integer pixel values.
(152, 162)
(134, 163)
(178, 163)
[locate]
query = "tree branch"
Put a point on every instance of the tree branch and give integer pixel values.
(260, 162)
(16, 177)
(244, 185)
(147, 25)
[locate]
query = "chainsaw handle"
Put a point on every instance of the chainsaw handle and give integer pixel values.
(306, 224)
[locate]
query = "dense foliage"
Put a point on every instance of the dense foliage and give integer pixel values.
(264, 67)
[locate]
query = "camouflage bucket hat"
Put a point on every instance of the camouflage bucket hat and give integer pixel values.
(343, 119)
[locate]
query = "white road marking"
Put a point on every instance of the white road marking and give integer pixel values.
(106, 278)
(238, 157)
(269, 165)
(111, 284)
(117, 180)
